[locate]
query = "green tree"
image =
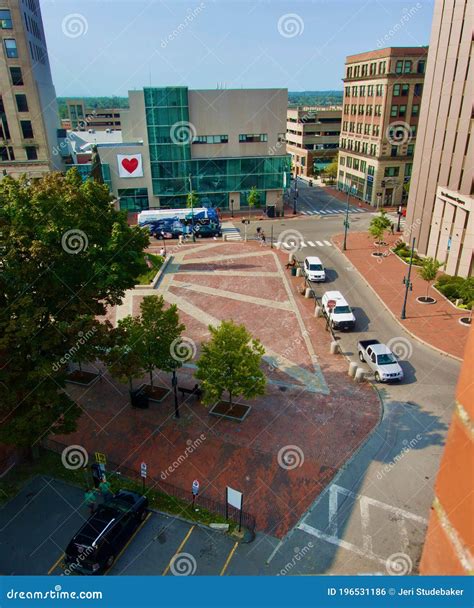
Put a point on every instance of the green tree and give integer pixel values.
(92, 339)
(66, 255)
(230, 361)
(253, 198)
(192, 200)
(379, 225)
(428, 271)
(125, 357)
(330, 170)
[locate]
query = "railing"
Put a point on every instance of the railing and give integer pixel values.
(163, 487)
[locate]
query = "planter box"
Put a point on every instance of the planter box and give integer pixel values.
(158, 394)
(82, 378)
(236, 411)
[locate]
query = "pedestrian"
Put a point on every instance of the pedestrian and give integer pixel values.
(262, 238)
(392, 228)
(105, 489)
(90, 498)
(163, 252)
(291, 264)
(96, 474)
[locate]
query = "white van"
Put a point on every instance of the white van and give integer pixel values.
(337, 310)
(314, 269)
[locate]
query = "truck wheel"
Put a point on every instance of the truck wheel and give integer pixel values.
(377, 377)
(361, 357)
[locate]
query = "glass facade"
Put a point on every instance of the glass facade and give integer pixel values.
(170, 137)
(85, 171)
(133, 199)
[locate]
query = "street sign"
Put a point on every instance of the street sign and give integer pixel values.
(100, 458)
(195, 487)
(331, 304)
(143, 469)
(234, 498)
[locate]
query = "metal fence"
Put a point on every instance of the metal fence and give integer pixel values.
(158, 485)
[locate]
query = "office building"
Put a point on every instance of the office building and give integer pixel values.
(312, 137)
(82, 118)
(381, 106)
(441, 203)
(28, 109)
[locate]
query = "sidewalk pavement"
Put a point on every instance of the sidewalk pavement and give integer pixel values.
(437, 325)
(353, 200)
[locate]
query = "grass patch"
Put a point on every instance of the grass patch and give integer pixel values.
(49, 463)
(156, 262)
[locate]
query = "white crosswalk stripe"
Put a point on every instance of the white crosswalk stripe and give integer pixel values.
(328, 243)
(333, 211)
(310, 243)
(230, 231)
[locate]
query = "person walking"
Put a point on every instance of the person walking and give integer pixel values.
(105, 490)
(89, 499)
(96, 474)
(262, 238)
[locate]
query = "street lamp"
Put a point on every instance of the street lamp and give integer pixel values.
(406, 281)
(192, 206)
(174, 384)
(346, 219)
(232, 207)
(400, 213)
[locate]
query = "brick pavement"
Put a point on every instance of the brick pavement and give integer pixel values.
(436, 324)
(311, 409)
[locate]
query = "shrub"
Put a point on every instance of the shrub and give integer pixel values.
(455, 288)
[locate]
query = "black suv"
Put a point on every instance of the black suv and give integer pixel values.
(94, 548)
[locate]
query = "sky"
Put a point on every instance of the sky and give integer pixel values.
(107, 47)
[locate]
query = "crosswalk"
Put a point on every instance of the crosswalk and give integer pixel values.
(328, 212)
(230, 231)
(304, 244)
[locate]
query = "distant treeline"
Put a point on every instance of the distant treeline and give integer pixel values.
(315, 98)
(93, 102)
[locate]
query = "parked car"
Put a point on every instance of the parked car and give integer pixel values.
(381, 360)
(98, 542)
(337, 310)
(314, 269)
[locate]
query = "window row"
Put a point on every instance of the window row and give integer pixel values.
(400, 66)
(7, 154)
(359, 146)
(248, 138)
(5, 20)
(363, 90)
(211, 139)
(362, 109)
(361, 128)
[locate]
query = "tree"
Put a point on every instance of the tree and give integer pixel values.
(92, 339)
(330, 171)
(253, 198)
(378, 226)
(66, 255)
(428, 271)
(125, 357)
(230, 362)
(192, 200)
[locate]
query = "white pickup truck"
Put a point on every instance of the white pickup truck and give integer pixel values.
(380, 359)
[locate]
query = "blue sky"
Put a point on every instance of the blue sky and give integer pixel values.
(106, 47)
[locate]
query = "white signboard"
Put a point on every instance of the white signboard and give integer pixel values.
(234, 498)
(195, 487)
(143, 470)
(130, 165)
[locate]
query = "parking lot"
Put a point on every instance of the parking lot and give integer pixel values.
(36, 526)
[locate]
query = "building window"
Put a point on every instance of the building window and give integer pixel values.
(359, 128)
(247, 138)
(5, 20)
(371, 170)
(415, 109)
(373, 150)
(347, 91)
(362, 90)
(6, 154)
(420, 68)
(357, 71)
(399, 67)
(26, 129)
(349, 72)
(133, 199)
(364, 69)
(367, 129)
(368, 110)
(376, 130)
(408, 168)
(402, 110)
(356, 164)
(396, 90)
(407, 67)
(379, 90)
(349, 162)
(211, 139)
(16, 76)
(382, 67)
(418, 89)
(410, 149)
(31, 153)
(405, 89)
(393, 151)
(378, 110)
(21, 103)
(10, 48)
(354, 91)
(361, 109)
(342, 161)
(373, 68)
(394, 111)
(363, 165)
(413, 130)
(391, 171)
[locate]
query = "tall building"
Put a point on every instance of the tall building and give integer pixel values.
(82, 118)
(312, 137)
(28, 109)
(381, 106)
(441, 204)
(219, 142)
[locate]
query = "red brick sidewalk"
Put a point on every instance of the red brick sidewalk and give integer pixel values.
(342, 196)
(436, 324)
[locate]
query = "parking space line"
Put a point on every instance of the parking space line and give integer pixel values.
(129, 541)
(56, 563)
(229, 557)
(178, 550)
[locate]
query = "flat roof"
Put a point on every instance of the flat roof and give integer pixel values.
(389, 51)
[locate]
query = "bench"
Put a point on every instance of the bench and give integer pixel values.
(196, 391)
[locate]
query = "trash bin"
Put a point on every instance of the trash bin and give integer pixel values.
(139, 399)
(271, 211)
(310, 183)
(293, 271)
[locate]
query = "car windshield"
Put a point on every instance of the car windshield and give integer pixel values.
(386, 359)
(315, 267)
(342, 310)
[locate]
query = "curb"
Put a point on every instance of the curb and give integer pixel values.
(439, 350)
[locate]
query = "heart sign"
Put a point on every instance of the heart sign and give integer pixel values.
(130, 165)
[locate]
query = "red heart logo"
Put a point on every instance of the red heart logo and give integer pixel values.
(130, 164)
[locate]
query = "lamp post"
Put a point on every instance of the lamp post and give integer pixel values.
(346, 220)
(192, 206)
(399, 217)
(406, 281)
(174, 384)
(231, 207)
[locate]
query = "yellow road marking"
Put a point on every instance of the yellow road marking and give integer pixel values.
(56, 563)
(129, 541)
(229, 557)
(178, 550)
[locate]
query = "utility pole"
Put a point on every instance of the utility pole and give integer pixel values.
(192, 206)
(407, 282)
(346, 221)
(174, 383)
